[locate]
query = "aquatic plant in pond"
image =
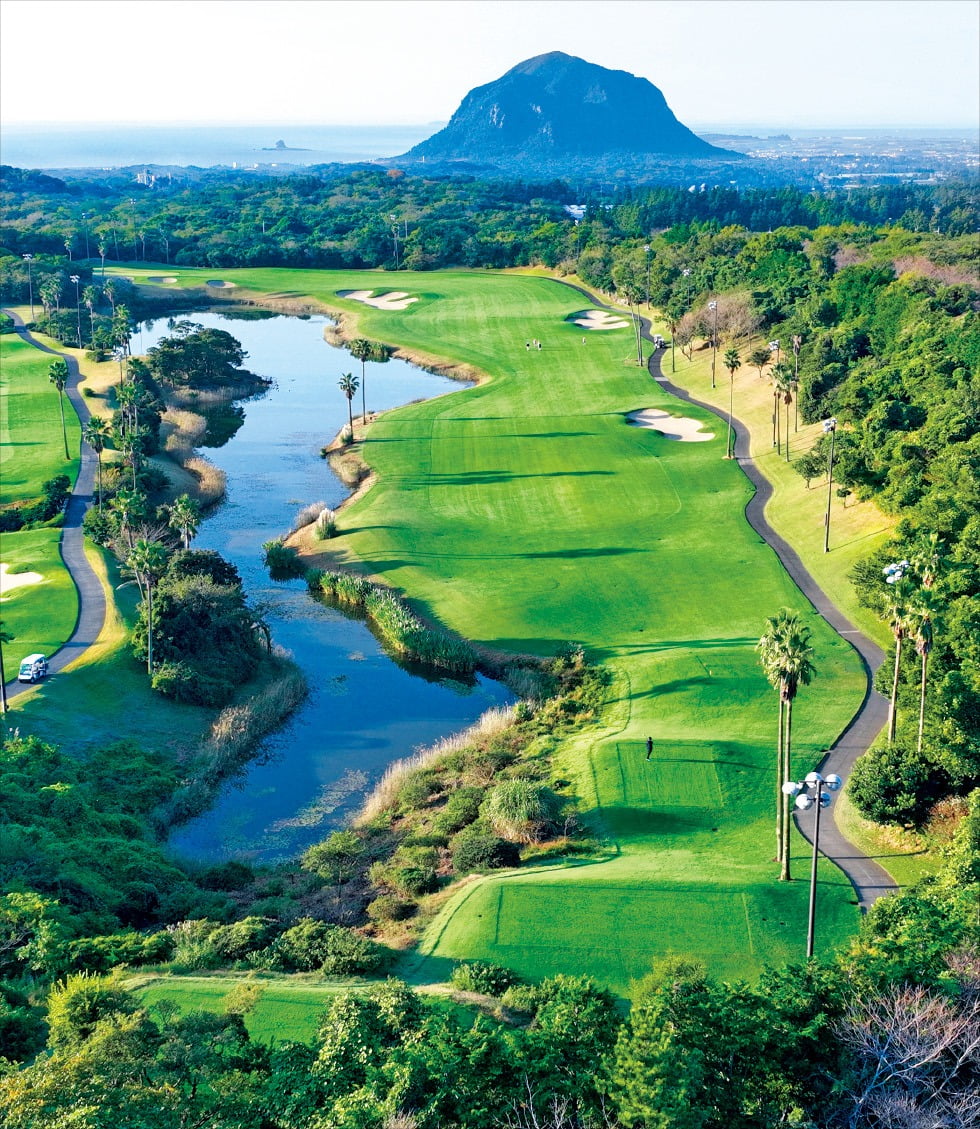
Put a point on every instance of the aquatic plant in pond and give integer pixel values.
(399, 627)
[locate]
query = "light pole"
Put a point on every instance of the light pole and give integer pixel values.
(818, 801)
(394, 234)
(774, 348)
(136, 252)
(646, 249)
(78, 308)
(797, 343)
(713, 307)
(829, 428)
(86, 216)
(30, 281)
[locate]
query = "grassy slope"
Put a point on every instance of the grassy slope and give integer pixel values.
(39, 616)
(31, 445)
(525, 512)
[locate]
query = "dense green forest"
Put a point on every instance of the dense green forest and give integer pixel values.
(879, 286)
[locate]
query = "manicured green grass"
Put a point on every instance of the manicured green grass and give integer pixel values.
(795, 512)
(526, 512)
(289, 1008)
(31, 445)
(105, 696)
(40, 616)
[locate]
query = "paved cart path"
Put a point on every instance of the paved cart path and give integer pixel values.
(91, 597)
(869, 879)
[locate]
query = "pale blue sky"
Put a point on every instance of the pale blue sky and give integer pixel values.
(736, 62)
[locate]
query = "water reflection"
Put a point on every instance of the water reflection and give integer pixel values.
(364, 709)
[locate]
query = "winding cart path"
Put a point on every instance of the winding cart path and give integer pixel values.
(91, 597)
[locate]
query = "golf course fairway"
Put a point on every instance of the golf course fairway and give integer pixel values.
(526, 512)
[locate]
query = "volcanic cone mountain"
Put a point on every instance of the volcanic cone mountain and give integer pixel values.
(557, 106)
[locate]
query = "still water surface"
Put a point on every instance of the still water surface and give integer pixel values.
(364, 709)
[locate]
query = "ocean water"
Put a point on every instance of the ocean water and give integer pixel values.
(106, 146)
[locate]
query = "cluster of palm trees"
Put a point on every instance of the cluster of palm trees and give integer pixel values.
(785, 654)
(910, 603)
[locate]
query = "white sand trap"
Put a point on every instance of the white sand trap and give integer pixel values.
(391, 300)
(168, 278)
(598, 319)
(681, 428)
(219, 284)
(11, 580)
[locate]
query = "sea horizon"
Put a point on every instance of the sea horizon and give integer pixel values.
(87, 145)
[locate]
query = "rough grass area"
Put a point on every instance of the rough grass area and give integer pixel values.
(524, 514)
(32, 449)
(906, 855)
(39, 616)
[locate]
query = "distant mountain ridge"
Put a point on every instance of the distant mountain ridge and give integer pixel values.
(556, 107)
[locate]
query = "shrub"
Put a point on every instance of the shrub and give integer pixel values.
(462, 808)
(310, 945)
(476, 848)
(389, 907)
(480, 976)
(282, 561)
(237, 940)
(520, 809)
(416, 789)
(98, 527)
(192, 946)
(325, 525)
(100, 954)
(895, 784)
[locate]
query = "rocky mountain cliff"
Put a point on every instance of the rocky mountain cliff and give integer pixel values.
(556, 107)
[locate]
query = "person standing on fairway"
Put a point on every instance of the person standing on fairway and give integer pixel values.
(649, 747)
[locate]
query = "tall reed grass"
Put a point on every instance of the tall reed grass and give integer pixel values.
(308, 515)
(399, 627)
(384, 795)
(211, 480)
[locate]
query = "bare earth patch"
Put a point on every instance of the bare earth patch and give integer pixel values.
(169, 278)
(598, 319)
(11, 580)
(681, 428)
(392, 300)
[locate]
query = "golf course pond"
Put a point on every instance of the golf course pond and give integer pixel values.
(364, 709)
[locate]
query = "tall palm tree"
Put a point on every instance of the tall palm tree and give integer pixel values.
(58, 375)
(781, 376)
(362, 350)
(348, 384)
(147, 562)
(786, 656)
(5, 637)
(90, 297)
(897, 604)
(185, 517)
(96, 435)
(733, 363)
(923, 634)
(130, 505)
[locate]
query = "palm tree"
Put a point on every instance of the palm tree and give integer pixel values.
(898, 611)
(5, 637)
(781, 376)
(58, 375)
(348, 384)
(185, 516)
(130, 505)
(96, 435)
(362, 350)
(923, 633)
(786, 656)
(147, 562)
(90, 297)
(732, 362)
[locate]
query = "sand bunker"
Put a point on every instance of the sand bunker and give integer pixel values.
(218, 284)
(168, 278)
(392, 300)
(598, 319)
(11, 580)
(671, 427)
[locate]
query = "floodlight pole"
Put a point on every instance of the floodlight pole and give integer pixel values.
(78, 309)
(646, 248)
(713, 307)
(830, 428)
(30, 281)
(820, 799)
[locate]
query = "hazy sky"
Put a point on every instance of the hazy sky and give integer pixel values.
(779, 62)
